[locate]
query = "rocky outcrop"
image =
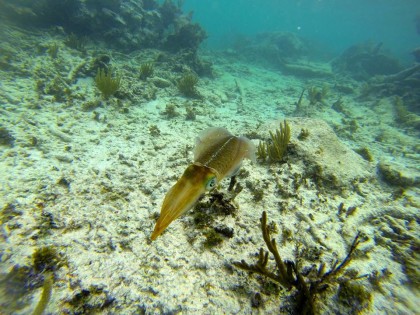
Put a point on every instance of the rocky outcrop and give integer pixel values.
(125, 24)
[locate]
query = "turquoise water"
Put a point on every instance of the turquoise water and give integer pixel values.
(333, 24)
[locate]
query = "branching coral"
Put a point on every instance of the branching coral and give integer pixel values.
(275, 150)
(46, 294)
(106, 83)
(288, 275)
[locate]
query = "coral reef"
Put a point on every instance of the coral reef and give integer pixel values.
(186, 36)
(84, 177)
(128, 24)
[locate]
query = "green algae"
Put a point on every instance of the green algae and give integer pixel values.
(274, 150)
(187, 85)
(146, 70)
(106, 83)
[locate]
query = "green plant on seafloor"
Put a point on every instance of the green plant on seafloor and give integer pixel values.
(146, 70)
(106, 83)
(52, 50)
(75, 42)
(288, 274)
(187, 84)
(316, 95)
(170, 111)
(275, 149)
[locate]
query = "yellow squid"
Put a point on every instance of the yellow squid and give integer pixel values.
(217, 154)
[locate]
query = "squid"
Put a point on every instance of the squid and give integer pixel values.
(217, 154)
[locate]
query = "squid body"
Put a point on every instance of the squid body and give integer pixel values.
(217, 154)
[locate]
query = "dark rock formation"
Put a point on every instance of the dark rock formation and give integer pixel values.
(363, 61)
(416, 54)
(124, 24)
(274, 48)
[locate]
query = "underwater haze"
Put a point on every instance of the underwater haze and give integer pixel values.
(209, 157)
(335, 24)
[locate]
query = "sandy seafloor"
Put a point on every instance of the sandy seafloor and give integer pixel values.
(101, 175)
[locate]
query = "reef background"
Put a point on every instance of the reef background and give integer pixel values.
(83, 175)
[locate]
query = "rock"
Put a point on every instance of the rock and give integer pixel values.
(365, 60)
(323, 154)
(273, 48)
(416, 54)
(127, 25)
(161, 83)
(310, 70)
(398, 175)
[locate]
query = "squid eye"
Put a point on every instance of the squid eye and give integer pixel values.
(211, 183)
